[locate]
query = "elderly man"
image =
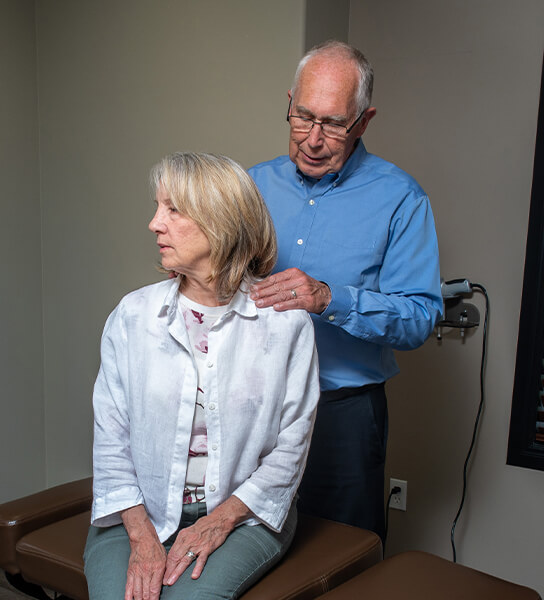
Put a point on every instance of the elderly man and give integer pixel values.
(357, 250)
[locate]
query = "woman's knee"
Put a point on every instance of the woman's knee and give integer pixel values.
(106, 561)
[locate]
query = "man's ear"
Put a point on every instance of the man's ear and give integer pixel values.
(370, 113)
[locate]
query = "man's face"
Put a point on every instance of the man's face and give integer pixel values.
(325, 92)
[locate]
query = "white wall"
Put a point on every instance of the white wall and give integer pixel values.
(457, 85)
(22, 445)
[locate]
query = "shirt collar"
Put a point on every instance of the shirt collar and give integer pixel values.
(170, 304)
(240, 303)
(351, 164)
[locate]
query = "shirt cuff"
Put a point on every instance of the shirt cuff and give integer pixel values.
(107, 508)
(265, 510)
(339, 307)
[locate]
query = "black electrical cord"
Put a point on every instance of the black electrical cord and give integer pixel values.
(394, 490)
(478, 415)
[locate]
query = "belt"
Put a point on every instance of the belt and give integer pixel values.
(347, 392)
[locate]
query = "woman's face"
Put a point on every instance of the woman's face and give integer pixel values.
(183, 245)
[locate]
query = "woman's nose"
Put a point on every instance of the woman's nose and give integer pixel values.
(156, 225)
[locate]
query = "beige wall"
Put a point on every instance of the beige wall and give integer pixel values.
(22, 445)
(119, 84)
(122, 84)
(457, 87)
(324, 20)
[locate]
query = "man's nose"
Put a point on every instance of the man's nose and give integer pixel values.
(315, 137)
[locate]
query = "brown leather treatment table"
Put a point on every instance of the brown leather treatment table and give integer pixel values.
(42, 538)
(422, 576)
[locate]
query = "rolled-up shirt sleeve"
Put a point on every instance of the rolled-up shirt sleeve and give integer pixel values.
(115, 485)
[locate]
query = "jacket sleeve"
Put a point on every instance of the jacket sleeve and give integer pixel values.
(115, 486)
(402, 312)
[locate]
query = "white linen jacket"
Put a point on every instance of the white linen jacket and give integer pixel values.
(260, 411)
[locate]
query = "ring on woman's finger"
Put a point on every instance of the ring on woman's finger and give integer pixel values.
(190, 554)
(293, 293)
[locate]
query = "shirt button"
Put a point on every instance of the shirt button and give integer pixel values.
(311, 203)
(211, 487)
(214, 447)
(210, 365)
(331, 317)
(300, 242)
(211, 406)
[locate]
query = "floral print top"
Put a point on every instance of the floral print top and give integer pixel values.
(199, 320)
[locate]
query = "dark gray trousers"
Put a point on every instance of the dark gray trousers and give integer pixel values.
(344, 477)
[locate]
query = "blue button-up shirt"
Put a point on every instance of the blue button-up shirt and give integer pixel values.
(368, 232)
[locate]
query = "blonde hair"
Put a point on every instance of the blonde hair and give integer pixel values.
(222, 199)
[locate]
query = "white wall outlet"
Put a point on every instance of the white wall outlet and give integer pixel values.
(398, 500)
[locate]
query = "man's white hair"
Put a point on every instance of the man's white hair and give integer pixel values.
(336, 49)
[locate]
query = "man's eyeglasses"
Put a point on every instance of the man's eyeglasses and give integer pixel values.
(336, 131)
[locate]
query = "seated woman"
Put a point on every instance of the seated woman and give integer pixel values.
(204, 404)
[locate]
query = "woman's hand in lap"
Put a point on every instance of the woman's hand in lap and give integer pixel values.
(202, 538)
(145, 571)
(147, 560)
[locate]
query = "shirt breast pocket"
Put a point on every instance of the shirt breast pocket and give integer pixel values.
(351, 259)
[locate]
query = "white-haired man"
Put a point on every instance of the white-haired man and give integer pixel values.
(358, 251)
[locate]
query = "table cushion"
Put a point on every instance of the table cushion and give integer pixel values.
(19, 517)
(323, 555)
(53, 556)
(419, 575)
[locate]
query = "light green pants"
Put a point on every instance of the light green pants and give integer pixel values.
(247, 554)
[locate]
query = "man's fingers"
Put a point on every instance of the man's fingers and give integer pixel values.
(288, 305)
(288, 295)
(281, 291)
(290, 292)
(277, 282)
(265, 288)
(284, 300)
(313, 297)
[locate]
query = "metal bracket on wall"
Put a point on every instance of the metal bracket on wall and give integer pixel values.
(459, 314)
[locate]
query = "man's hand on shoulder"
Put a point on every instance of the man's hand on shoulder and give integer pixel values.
(291, 289)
